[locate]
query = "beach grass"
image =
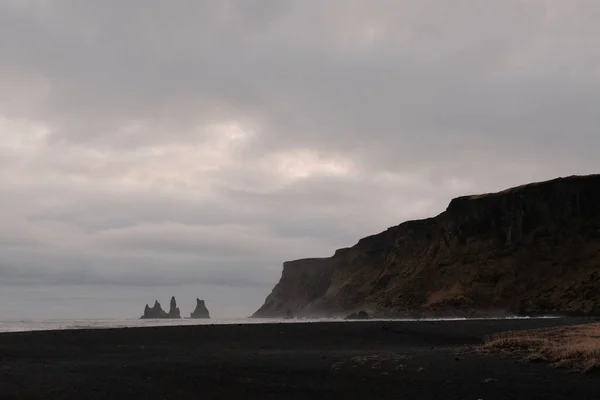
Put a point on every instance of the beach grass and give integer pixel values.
(574, 347)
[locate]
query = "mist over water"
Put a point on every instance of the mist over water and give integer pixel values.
(109, 302)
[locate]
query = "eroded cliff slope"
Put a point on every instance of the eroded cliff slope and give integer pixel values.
(530, 249)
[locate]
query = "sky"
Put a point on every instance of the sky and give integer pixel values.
(152, 148)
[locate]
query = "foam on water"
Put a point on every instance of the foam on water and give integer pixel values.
(62, 324)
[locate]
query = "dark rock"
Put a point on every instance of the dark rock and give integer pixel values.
(289, 315)
(173, 309)
(532, 250)
(155, 312)
(200, 311)
(301, 282)
(359, 315)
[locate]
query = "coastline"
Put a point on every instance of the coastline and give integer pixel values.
(358, 359)
(27, 325)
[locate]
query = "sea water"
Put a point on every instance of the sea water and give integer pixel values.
(62, 324)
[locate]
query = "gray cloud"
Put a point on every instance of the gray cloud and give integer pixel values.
(155, 145)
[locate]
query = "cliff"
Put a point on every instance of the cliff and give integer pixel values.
(200, 311)
(529, 249)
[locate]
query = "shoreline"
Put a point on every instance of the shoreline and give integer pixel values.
(45, 325)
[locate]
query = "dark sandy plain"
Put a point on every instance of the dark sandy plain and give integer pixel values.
(341, 360)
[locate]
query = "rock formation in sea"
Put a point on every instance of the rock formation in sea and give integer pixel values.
(173, 309)
(200, 311)
(156, 311)
(533, 249)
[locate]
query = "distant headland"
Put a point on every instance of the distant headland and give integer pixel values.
(529, 250)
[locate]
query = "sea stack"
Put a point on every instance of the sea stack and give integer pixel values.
(154, 312)
(201, 311)
(173, 309)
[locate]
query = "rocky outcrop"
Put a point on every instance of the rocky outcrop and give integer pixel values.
(173, 309)
(302, 285)
(530, 249)
(200, 311)
(358, 315)
(156, 311)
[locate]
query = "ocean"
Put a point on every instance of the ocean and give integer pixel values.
(26, 325)
(62, 324)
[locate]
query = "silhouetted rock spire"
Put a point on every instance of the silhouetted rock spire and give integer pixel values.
(201, 311)
(156, 311)
(173, 309)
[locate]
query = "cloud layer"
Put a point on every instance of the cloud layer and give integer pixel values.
(151, 147)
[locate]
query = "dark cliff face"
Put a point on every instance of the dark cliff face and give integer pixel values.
(530, 249)
(303, 284)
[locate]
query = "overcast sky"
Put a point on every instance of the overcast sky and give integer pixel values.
(151, 148)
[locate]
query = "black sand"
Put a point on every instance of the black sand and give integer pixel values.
(347, 360)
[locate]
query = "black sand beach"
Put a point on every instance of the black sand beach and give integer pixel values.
(346, 360)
